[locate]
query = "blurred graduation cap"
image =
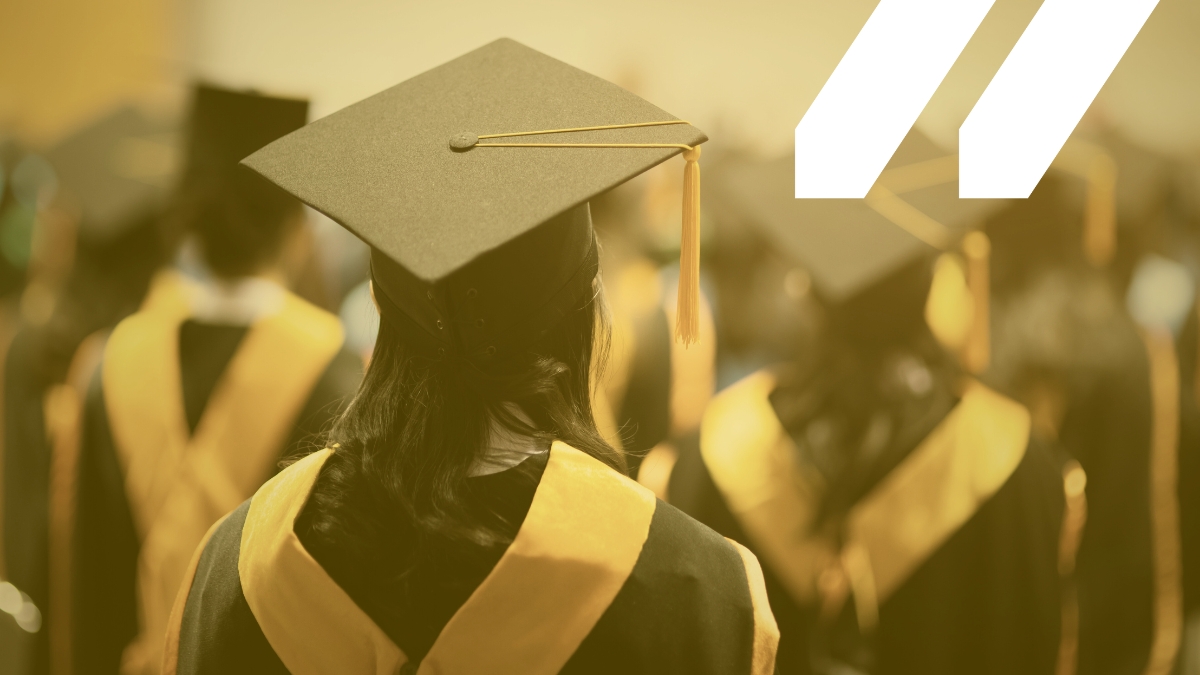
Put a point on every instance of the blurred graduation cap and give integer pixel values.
(470, 183)
(850, 247)
(116, 169)
(231, 210)
(225, 125)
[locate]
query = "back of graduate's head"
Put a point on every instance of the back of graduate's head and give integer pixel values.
(105, 238)
(439, 383)
(240, 219)
(888, 312)
(868, 393)
(863, 338)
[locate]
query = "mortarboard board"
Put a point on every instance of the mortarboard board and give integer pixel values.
(850, 247)
(227, 206)
(846, 245)
(116, 169)
(225, 125)
(480, 231)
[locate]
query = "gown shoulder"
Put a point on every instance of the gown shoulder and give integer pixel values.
(218, 632)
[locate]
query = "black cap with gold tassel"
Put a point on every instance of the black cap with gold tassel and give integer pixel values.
(470, 182)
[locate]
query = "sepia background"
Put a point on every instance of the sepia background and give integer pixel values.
(745, 72)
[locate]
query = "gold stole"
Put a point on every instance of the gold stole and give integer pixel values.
(580, 541)
(63, 410)
(178, 486)
(1164, 501)
(892, 530)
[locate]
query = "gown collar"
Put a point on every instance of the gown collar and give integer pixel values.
(578, 544)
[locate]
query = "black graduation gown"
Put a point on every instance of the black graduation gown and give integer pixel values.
(106, 539)
(1107, 369)
(986, 600)
(1189, 461)
(33, 376)
(1107, 427)
(26, 480)
(689, 601)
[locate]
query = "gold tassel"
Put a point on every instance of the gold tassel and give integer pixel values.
(977, 352)
(1100, 214)
(687, 311)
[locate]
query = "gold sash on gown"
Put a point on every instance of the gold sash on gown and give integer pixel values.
(1164, 501)
(177, 484)
(892, 530)
(579, 543)
(63, 406)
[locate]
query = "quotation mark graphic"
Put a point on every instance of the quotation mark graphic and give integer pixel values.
(1016, 128)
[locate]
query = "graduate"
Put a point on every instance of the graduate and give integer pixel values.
(199, 395)
(906, 519)
(1180, 219)
(1104, 378)
(112, 176)
(467, 516)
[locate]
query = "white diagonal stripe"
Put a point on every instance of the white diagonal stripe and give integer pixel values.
(1041, 91)
(877, 92)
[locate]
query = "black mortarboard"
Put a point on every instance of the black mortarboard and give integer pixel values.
(116, 169)
(226, 125)
(480, 233)
(847, 245)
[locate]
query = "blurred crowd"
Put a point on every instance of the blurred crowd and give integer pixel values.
(1079, 304)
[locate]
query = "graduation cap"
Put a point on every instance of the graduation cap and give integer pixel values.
(116, 169)
(470, 183)
(851, 246)
(225, 125)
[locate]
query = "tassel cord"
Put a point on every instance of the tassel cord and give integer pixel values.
(687, 311)
(687, 314)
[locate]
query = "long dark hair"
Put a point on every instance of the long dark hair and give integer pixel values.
(406, 443)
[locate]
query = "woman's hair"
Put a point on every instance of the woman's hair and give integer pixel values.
(406, 443)
(239, 218)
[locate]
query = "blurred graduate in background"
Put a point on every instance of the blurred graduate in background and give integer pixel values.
(469, 515)
(1178, 223)
(219, 375)
(93, 252)
(907, 520)
(1088, 308)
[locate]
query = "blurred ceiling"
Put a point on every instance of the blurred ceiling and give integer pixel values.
(744, 71)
